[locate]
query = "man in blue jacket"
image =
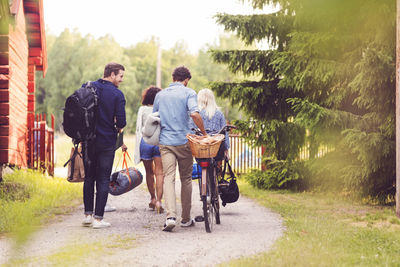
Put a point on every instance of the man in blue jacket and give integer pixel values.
(110, 120)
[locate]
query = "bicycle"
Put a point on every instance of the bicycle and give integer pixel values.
(208, 184)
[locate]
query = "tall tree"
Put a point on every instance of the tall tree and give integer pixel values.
(330, 67)
(207, 71)
(74, 60)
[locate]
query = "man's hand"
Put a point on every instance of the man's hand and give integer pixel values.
(199, 122)
(124, 148)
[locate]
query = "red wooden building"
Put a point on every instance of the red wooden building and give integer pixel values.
(22, 53)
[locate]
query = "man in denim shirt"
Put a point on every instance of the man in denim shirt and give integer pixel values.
(176, 104)
(110, 120)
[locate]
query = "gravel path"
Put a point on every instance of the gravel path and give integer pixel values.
(135, 237)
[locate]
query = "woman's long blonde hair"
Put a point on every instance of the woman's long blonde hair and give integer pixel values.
(206, 101)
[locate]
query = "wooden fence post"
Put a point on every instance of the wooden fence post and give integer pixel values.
(42, 142)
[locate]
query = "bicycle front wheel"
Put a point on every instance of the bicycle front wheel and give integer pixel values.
(215, 196)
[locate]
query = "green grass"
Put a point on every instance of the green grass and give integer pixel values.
(324, 230)
(28, 199)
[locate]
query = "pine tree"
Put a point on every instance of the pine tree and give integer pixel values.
(331, 68)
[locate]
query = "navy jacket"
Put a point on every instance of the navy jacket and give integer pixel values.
(111, 112)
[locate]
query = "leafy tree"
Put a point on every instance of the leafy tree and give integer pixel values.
(74, 60)
(178, 55)
(143, 59)
(330, 69)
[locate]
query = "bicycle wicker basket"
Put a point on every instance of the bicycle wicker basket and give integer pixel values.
(205, 146)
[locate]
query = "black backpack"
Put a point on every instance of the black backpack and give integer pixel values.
(80, 114)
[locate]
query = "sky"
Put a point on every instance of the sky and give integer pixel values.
(133, 21)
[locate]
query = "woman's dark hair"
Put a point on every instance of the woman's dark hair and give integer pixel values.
(149, 94)
(181, 73)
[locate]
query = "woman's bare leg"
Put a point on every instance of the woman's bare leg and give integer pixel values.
(148, 165)
(159, 181)
(159, 177)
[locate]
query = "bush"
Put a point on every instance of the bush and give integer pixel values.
(280, 174)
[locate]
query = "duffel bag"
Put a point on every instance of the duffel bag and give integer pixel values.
(124, 181)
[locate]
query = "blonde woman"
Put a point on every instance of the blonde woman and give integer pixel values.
(212, 117)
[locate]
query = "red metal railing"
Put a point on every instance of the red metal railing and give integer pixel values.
(40, 143)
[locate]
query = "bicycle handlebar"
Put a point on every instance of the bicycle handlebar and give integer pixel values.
(226, 128)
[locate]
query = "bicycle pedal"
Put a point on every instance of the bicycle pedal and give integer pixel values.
(199, 218)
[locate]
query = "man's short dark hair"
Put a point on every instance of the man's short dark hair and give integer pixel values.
(149, 94)
(112, 67)
(181, 73)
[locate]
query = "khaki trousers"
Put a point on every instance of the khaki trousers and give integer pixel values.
(170, 156)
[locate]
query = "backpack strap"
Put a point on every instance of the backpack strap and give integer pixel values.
(95, 104)
(73, 155)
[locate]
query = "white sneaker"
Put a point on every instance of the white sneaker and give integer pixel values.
(169, 224)
(188, 223)
(100, 224)
(109, 208)
(88, 220)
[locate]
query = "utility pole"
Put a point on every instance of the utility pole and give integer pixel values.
(158, 73)
(398, 109)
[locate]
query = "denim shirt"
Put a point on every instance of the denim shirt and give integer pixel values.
(175, 104)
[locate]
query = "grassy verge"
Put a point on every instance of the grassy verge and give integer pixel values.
(324, 230)
(28, 199)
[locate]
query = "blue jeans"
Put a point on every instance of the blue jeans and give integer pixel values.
(97, 173)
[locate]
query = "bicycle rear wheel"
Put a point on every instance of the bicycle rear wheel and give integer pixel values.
(208, 209)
